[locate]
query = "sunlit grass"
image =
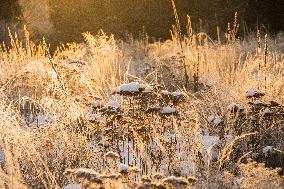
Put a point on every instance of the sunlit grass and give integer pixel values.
(59, 113)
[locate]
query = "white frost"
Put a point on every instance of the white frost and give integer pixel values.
(177, 94)
(209, 142)
(113, 104)
(1, 154)
(148, 88)
(251, 93)
(123, 168)
(216, 120)
(128, 87)
(97, 104)
(267, 111)
(267, 150)
(73, 186)
(257, 102)
(165, 92)
(168, 110)
(229, 138)
(94, 117)
(42, 120)
(234, 106)
(211, 118)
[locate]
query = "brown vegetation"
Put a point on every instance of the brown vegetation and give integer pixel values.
(114, 114)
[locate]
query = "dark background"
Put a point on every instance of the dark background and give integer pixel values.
(70, 18)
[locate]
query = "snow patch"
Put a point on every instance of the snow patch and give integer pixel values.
(257, 102)
(73, 186)
(176, 94)
(267, 112)
(234, 107)
(1, 155)
(165, 92)
(148, 89)
(251, 93)
(97, 104)
(216, 120)
(113, 104)
(41, 120)
(209, 142)
(229, 138)
(94, 117)
(132, 87)
(211, 118)
(168, 110)
(267, 150)
(123, 168)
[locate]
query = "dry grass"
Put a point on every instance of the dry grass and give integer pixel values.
(58, 113)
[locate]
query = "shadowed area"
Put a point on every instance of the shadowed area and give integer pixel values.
(64, 21)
